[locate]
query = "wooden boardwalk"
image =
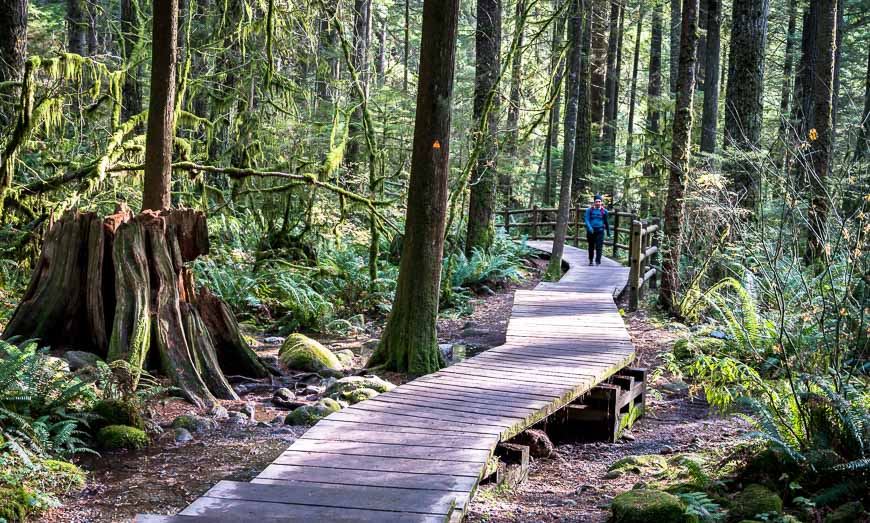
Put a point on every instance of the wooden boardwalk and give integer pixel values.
(416, 453)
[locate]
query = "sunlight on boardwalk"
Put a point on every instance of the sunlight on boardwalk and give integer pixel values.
(417, 453)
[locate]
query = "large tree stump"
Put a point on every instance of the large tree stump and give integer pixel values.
(118, 286)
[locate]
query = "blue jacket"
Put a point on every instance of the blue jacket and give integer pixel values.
(596, 219)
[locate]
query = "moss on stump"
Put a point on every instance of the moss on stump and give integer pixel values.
(753, 500)
(311, 414)
(116, 437)
(115, 412)
(645, 506)
(300, 352)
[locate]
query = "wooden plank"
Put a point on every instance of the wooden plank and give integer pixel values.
(544, 390)
(411, 450)
(552, 369)
(361, 435)
(489, 385)
(420, 412)
(363, 423)
(379, 418)
(493, 392)
(482, 370)
(441, 390)
(566, 365)
(380, 464)
(440, 395)
(457, 406)
(299, 475)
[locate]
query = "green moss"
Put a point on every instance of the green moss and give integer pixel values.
(67, 475)
(352, 383)
(311, 414)
(193, 423)
(345, 356)
(300, 352)
(847, 513)
(357, 395)
(114, 412)
(15, 504)
(637, 464)
(753, 500)
(116, 437)
(644, 506)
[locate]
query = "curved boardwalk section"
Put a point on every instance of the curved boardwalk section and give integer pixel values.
(417, 453)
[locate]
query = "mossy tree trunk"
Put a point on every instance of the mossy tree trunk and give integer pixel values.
(410, 342)
(118, 286)
(653, 112)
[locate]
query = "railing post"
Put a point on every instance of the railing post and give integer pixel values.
(535, 222)
(634, 264)
(507, 223)
(577, 226)
(641, 265)
(653, 282)
(615, 231)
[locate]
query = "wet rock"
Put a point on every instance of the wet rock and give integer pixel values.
(446, 350)
(193, 423)
(311, 414)
(183, 435)
(539, 444)
(327, 382)
(274, 340)
(313, 389)
(79, 359)
(249, 409)
(628, 436)
(345, 356)
(284, 394)
(675, 387)
(302, 353)
(238, 418)
(219, 412)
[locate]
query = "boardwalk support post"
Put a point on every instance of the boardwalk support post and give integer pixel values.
(534, 222)
(634, 254)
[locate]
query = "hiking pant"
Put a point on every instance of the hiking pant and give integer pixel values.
(595, 240)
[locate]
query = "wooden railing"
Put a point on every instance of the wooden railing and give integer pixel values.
(641, 239)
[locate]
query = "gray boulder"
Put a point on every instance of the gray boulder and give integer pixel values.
(79, 359)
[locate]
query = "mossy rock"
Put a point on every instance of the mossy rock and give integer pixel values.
(116, 412)
(345, 356)
(688, 348)
(768, 465)
(645, 506)
(300, 352)
(847, 513)
(357, 395)
(352, 383)
(637, 464)
(116, 437)
(16, 504)
(311, 414)
(69, 475)
(193, 423)
(754, 500)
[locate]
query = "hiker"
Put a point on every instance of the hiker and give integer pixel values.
(596, 226)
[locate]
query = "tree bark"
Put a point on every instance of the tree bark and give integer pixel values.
(557, 70)
(159, 138)
(821, 147)
(13, 39)
(513, 114)
(407, 44)
(575, 29)
(481, 205)
(838, 55)
(676, 24)
(611, 83)
(131, 94)
(632, 102)
(381, 64)
(599, 63)
(862, 146)
(76, 28)
(410, 342)
(653, 114)
(743, 97)
(582, 168)
(787, 73)
(711, 77)
(680, 165)
(362, 29)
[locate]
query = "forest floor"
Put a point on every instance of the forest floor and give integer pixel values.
(167, 476)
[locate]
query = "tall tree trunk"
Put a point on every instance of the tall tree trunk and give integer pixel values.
(838, 55)
(92, 15)
(632, 101)
(557, 70)
(743, 97)
(381, 64)
(821, 147)
(676, 24)
(599, 62)
(787, 73)
(131, 94)
(575, 29)
(362, 29)
(582, 168)
(611, 83)
(513, 114)
(680, 151)
(328, 69)
(653, 113)
(410, 342)
(711, 77)
(862, 146)
(76, 28)
(804, 98)
(481, 204)
(13, 39)
(160, 135)
(407, 44)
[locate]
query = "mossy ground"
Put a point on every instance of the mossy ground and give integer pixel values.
(647, 506)
(115, 437)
